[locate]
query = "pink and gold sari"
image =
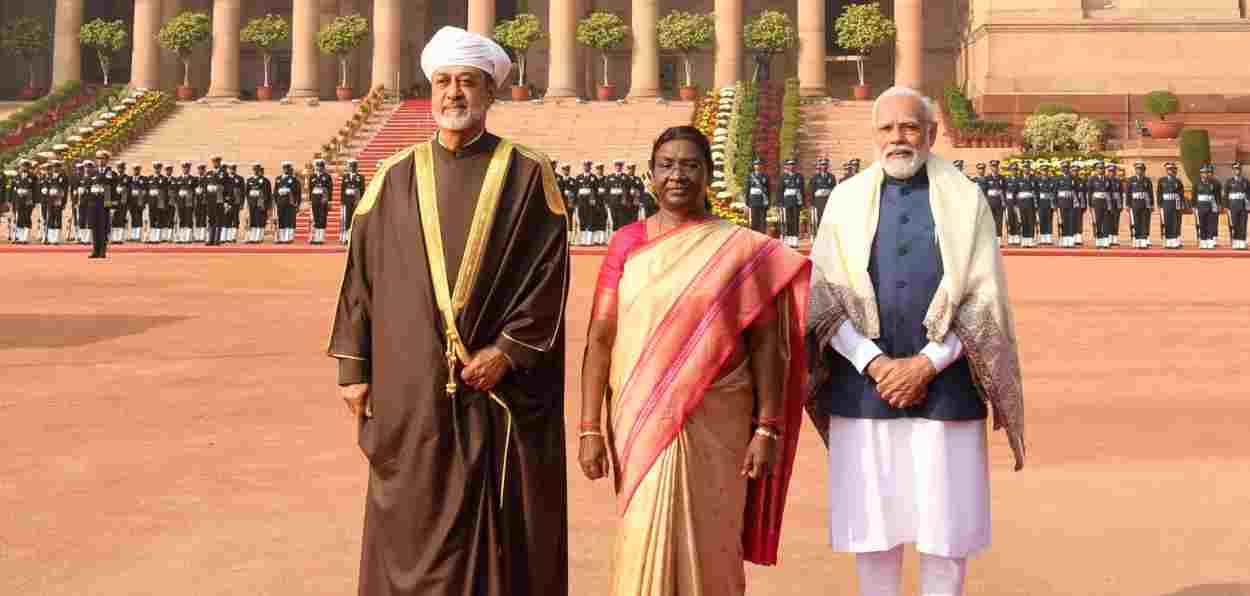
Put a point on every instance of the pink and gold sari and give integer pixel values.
(681, 416)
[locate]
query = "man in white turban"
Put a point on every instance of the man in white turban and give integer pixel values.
(449, 337)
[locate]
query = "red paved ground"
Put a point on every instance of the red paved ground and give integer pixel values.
(170, 427)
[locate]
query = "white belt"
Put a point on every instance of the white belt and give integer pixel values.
(1170, 196)
(318, 190)
(1065, 193)
(822, 192)
(1206, 198)
(212, 188)
(1141, 196)
(583, 191)
(351, 192)
(97, 189)
(1025, 195)
(791, 192)
(54, 191)
(1100, 195)
(154, 193)
(21, 192)
(184, 193)
(284, 191)
(617, 191)
(757, 191)
(1237, 196)
(994, 192)
(253, 193)
(120, 189)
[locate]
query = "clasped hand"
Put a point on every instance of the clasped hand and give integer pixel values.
(903, 382)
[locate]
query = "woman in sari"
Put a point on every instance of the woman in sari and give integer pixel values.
(695, 344)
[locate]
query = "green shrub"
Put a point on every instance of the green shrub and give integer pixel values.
(1051, 109)
(960, 108)
(748, 112)
(1162, 104)
(790, 120)
(1195, 151)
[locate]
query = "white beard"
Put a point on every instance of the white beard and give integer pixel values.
(903, 168)
(452, 119)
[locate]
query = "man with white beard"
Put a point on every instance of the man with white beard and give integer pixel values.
(908, 325)
(450, 346)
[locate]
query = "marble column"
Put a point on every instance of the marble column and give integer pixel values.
(171, 65)
(728, 42)
(909, 44)
(328, 63)
(562, 49)
(227, 16)
(145, 59)
(388, 35)
(305, 64)
(812, 34)
(66, 51)
(644, 77)
(482, 17)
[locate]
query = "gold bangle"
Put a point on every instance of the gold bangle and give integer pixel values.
(764, 432)
(589, 433)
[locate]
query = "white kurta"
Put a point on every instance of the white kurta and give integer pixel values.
(907, 480)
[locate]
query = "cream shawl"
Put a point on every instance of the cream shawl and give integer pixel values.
(971, 300)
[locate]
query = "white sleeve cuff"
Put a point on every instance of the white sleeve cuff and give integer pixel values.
(853, 346)
(946, 353)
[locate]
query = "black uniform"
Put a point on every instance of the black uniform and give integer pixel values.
(135, 203)
(1141, 198)
(568, 192)
(25, 197)
(121, 201)
(624, 210)
(1099, 187)
(99, 201)
(1237, 195)
(637, 191)
(1171, 199)
(259, 201)
(320, 191)
(792, 201)
(56, 191)
(1115, 207)
(1065, 200)
(590, 209)
(1207, 201)
(1010, 203)
(288, 190)
(182, 193)
(352, 188)
(215, 194)
(759, 200)
(200, 213)
(822, 185)
(1047, 192)
(1027, 190)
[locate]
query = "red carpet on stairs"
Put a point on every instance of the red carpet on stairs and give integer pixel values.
(409, 125)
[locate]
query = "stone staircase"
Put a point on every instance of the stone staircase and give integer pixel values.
(839, 131)
(244, 132)
(407, 124)
(598, 131)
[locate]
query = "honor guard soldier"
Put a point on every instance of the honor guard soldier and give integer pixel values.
(792, 202)
(1082, 205)
(1115, 206)
(637, 190)
(288, 190)
(997, 197)
(259, 200)
(1207, 201)
(105, 171)
(78, 201)
(182, 194)
(1171, 193)
(848, 171)
(605, 201)
(1237, 194)
(1009, 202)
(171, 208)
(156, 204)
(215, 201)
(352, 184)
(200, 214)
(56, 192)
(320, 191)
(1046, 199)
(121, 204)
(618, 196)
(758, 199)
(1065, 201)
(1140, 193)
(822, 184)
(959, 165)
(587, 204)
(236, 204)
(5, 202)
(25, 195)
(855, 166)
(568, 192)
(1099, 187)
(1026, 202)
(99, 200)
(136, 203)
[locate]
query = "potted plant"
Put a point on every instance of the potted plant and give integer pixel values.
(182, 35)
(602, 31)
(768, 34)
(686, 33)
(266, 33)
(518, 34)
(26, 38)
(862, 28)
(106, 38)
(340, 38)
(1163, 104)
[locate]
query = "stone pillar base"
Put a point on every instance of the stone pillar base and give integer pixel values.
(555, 93)
(813, 91)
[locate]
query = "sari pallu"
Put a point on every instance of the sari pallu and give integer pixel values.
(681, 423)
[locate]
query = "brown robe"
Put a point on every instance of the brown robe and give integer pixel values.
(435, 522)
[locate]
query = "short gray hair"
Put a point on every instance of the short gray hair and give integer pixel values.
(930, 110)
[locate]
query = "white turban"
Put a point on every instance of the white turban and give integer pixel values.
(453, 46)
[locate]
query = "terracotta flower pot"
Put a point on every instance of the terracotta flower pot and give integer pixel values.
(264, 93)
(606, 92)
(688, 93)
(520, 92)
(1165, 129)
(861, 91)
(343, 93)
(186, 93)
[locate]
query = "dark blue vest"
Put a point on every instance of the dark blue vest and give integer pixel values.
(906, 269)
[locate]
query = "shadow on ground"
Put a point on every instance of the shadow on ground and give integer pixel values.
(1214, 590)
(62, 331)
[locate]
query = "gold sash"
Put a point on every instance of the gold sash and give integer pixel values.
(449, 304)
